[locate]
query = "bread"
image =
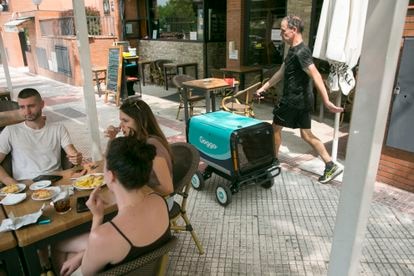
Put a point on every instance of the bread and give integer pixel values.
(42, 193)
(10, 189)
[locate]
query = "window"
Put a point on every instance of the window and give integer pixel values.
(263, 45)
(62, 59)
(165, 19)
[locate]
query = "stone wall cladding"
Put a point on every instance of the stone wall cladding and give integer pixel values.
(177, 51)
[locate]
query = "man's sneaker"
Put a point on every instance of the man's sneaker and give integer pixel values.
(330, 173)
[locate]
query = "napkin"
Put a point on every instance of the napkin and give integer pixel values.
(14, 223)
(62, 189)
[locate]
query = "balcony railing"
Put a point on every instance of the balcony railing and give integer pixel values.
(65, 26)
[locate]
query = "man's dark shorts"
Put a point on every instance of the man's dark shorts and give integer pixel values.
(286, 116)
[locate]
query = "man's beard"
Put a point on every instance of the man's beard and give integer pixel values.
(33, 116)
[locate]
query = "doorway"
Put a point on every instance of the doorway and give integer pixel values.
(23, 46)
(400, 130)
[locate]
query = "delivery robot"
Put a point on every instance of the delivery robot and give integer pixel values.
(238, 148)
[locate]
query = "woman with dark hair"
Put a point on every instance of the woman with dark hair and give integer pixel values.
(141, 224)
(137, 120)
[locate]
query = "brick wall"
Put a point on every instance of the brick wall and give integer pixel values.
(235, 17)
(303, 9)
(397, 168)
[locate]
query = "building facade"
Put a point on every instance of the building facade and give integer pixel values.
(213, 33)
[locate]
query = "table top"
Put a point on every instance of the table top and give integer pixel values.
(98, 68)
(7, 240)
(180, 64)
(59, 222)
(131, 57)
(10, 117)
(206, 84)
(242, 69)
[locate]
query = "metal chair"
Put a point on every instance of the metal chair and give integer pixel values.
(241, 102)
(178, 82)
(185, 164)
(152, 263)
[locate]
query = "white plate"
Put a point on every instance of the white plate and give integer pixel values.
(40, 185)
(84, 177)
(21, 188)
(54, 191)
(12, 199)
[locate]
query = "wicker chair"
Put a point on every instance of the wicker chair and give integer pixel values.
(186, 159)
(178, 82)
(157, 71)
(241, 102)
(152, 263)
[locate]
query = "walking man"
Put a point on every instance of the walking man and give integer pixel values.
(294, 109)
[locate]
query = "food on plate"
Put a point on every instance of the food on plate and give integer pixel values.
(10, 189)
(89, 181)
(42, 194)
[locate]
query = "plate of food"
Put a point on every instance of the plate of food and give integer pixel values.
(45, 193)
(89, 181)
(12, 189)
(40, 185)
(12, 199)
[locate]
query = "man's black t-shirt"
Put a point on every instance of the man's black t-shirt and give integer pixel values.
(297, 90)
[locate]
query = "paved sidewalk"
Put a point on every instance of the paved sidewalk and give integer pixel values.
(285, 230)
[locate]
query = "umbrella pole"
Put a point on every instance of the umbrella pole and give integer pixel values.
(334, 154)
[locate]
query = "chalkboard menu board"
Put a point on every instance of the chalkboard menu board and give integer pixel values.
(114, 73)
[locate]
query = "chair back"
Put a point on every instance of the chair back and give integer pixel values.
(8, 105)
(242, 101)
(185, 164)
(179, 79)
(152, 263)
(7, 162)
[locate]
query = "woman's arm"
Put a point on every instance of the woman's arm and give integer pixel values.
(160, 168)
(95, 256)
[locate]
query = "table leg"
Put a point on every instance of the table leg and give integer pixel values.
(12, 262)
(141, 73)
(186, 115)
(31, 258)
(213, 101)
(208, 103)
(165, 78)
(98, 84)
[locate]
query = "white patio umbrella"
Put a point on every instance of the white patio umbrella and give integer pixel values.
(378, 63)
(339, 41)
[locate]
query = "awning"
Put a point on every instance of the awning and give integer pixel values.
(11, 26)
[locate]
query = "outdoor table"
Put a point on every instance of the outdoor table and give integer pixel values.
(62, 226)
(99, 76)
(10, 117)
(242, 71)
(9, 251)
(176, 68)
(206, 86)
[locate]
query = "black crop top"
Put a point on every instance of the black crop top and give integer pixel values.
(137, 251)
